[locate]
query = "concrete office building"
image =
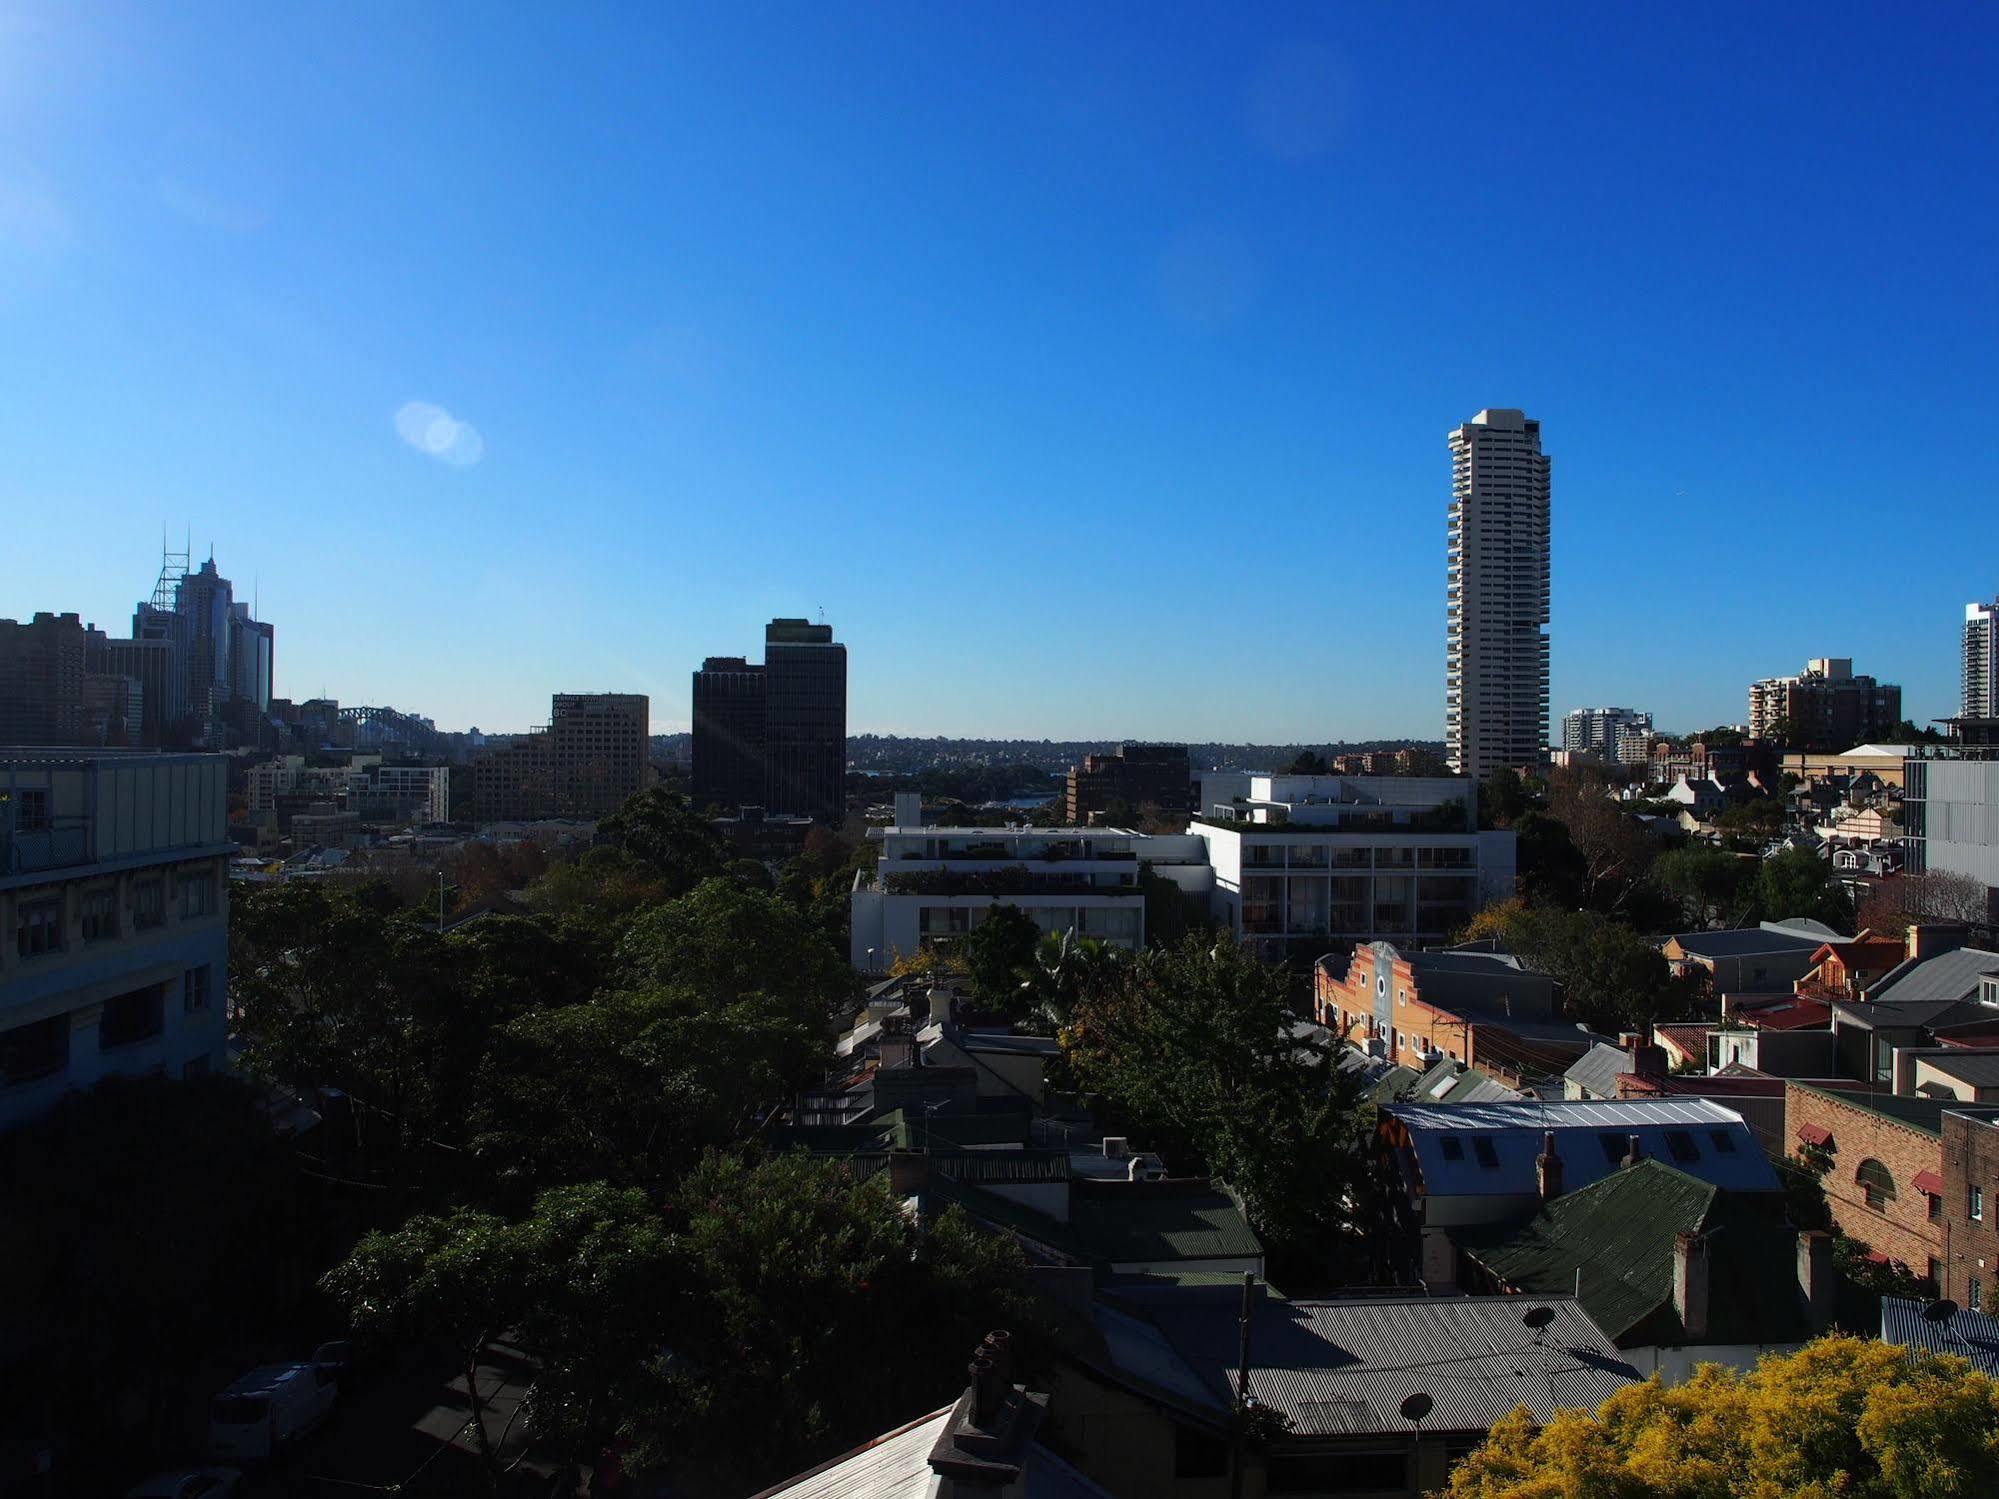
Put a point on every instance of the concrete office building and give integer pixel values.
(1825, 706)
(1950, 819)
(112, 882)
(589, 758)
(1496, 682)
(1600, 731)
(41, 680)
(728, 739)
(1981, 660)
(805, 720)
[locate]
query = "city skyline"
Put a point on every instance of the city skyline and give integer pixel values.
(674, 354)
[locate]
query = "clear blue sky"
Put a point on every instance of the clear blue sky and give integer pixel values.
(1090, 366)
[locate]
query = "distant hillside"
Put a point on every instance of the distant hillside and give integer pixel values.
(895, 754)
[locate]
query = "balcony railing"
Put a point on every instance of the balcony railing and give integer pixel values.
(61, 844)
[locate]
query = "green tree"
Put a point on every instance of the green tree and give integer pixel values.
(1709, 886)
(1063, 966)
(1193, 1048)
(1615, 851)
(1848, 1416)
(587, 1280)
(658, 826)
(1612, 979)
(1550, 871)
(729, 943)
(998, 952)
(1502, 798)
(799, 1277)
(633, 1086)
(1797, 882)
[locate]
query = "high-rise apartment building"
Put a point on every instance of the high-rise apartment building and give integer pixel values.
(1496, 682)
(590, 757)
(1595, 730)
(1825, 707)
(728, 748)
(1981, 661)
(805, 720)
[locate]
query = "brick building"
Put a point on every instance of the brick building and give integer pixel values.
(589, 759)
(1970, 1207)
(1887, 1175)
(1418, 1008)
(1138, 775)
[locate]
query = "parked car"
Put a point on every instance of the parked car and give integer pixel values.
(268, 1408)
(191, 1483)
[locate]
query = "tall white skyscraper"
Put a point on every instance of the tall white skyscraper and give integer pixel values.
(1981, 660)
(1496, 685)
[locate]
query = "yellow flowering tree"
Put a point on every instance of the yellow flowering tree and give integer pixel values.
(1845, 1417)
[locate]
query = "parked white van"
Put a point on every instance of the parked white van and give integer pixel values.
(267, 1408)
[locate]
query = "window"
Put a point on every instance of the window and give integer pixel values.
(1975, 1295)
(38, 928)
(31, 810)
(29, 1053)
(1975, 1203)
(1936, 1207)
(148, 904)
(1934, 1271)
(1722, 1140)
(1198, 1454)
(194, 990)
(100, 915)
(1680, 1145)
(1452, 1146)
(133, 1016)
(197, 896)
(1487, 1156)
(1877, 1184)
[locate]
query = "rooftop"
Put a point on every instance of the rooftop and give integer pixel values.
(1343, 1368)
(1596, 1071)
(1745, 943)
(1615, 1238)
(1946, 976)
(1975, 1069)
(1969, 1335)
(1923, 1114)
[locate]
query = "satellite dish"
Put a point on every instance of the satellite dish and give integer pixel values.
(1940, 1311)
(1538, 1317)
(1417, 1406)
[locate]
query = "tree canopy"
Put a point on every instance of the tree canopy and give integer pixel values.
(1843, 1416)
(1612, 979)
(998, 953)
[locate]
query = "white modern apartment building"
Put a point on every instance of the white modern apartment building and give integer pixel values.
(1289, 862)
(1330, 860)
(934, 886)
(1496, 680)
(374, 792)
(1602, 732)
(1981, 660)
(112, 882)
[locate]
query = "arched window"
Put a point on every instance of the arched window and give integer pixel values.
(1876, 1183)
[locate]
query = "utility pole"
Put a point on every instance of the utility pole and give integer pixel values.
(1242, 1397)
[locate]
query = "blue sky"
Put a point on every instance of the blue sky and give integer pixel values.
(1089, 366)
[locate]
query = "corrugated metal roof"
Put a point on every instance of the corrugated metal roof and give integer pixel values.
(1488, 1149)
(1947, 976)
(893, 1466)
(1744, 943)
(1596, 1071)
(1978, 1069)
(1343, 1368)
(1969, 1335)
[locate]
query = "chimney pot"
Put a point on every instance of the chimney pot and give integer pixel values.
(1690, 1284)
(1633, 1152)
(908, 1172)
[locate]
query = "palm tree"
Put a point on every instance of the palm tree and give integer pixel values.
(1064, 966)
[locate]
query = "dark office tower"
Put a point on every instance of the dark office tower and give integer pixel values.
(728, 734)
(41, 680)
(205, 600)
(805, 720)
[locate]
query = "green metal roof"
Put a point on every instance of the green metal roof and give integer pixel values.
(1619, 1233)
(1117, 1223)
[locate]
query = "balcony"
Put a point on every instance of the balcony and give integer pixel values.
(62, 843)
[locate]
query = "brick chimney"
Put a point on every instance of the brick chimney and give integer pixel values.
(1633, 1153)
(1928, 938)
(908, 1172)
(985, 1441)
(1548, 1168)
(1690, 1284)
(1815, 1274)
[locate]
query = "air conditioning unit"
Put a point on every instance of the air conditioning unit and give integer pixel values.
(1377, 1046)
